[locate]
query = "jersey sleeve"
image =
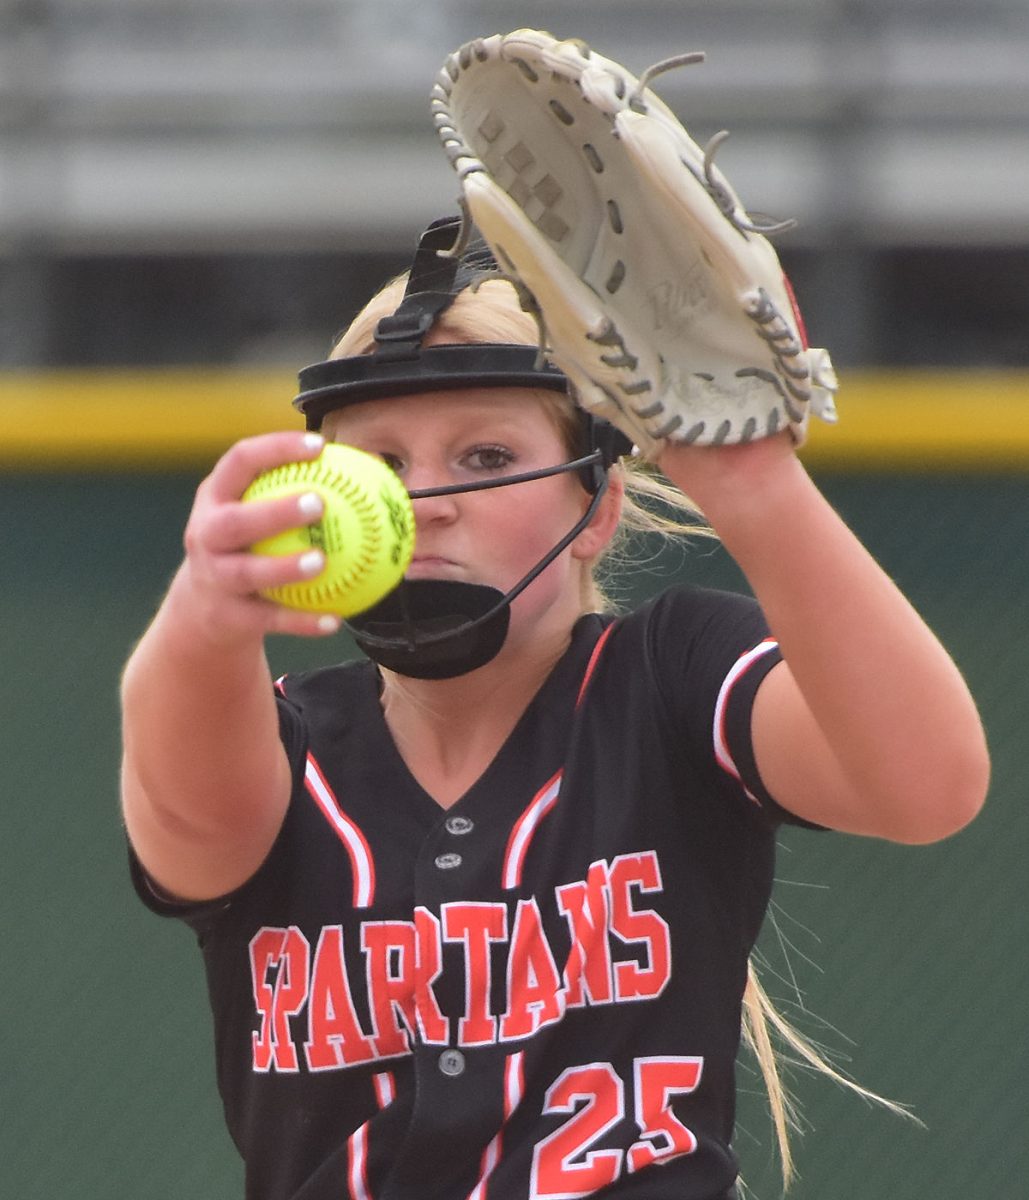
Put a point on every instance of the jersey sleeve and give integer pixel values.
(712, 650)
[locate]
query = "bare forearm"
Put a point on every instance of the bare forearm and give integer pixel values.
(199, 719)
(205, 778)
(866, 662)
(891, 705)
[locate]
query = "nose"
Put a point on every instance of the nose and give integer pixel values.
(433, 510)
(429, 508)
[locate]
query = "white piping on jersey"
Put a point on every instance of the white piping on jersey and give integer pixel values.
(525, 827)
(546, 797)
(350, 835)
(357, 1163)
(385, 1088)
(514, 1089)
(357, 1144)
(736, 673)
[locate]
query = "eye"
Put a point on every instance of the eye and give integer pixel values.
(392, 461)
(489, 458)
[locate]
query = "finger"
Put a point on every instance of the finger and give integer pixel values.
(294, 623)
(269, 617)
(237, 525)
(240, 465)
(243, 573)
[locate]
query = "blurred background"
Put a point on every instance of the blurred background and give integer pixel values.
(195, 195)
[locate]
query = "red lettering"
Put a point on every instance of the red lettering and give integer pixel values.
(335, 1038)
(533, 984)
(569, 1163)
(662, 1135)
(391, 964)
(564, 1164)
(632, 981)
(585, 905)
(476, 925)
(433, 1025)
(286, 952)
(404, 962)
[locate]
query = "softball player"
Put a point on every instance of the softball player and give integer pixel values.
(476, 911)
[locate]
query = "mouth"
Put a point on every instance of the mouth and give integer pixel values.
(433, 566)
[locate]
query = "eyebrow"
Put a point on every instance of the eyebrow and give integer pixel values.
(479, 424)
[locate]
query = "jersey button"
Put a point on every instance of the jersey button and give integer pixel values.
(451, 1062)
(447, 862)
(459, 825)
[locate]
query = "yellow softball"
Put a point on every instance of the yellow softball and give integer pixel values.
(366, 530)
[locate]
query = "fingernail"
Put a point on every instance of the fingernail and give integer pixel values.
(312, 562)
(313, 441)
(311, 504)
(328, 624)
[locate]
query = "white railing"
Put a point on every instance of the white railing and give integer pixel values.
(130, 123)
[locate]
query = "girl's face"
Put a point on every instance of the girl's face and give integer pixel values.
(493, 537)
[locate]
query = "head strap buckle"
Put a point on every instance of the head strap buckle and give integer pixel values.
(430, 291)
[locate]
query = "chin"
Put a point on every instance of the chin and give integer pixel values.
(434, 568)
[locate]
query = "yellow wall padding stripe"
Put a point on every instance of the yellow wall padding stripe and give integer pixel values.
(184, 418)
(156, 418)
(926, 420)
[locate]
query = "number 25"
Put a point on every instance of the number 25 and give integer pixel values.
(563, 1164)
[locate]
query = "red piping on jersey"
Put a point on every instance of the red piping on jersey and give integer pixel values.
(361, 861)
(525, 827)
(721, 742)
(514, 1090)
(591, 665)
(545, 799)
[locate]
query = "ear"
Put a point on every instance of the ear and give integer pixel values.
(601, 529)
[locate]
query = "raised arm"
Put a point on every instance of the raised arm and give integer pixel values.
(205, 779)
(868, 726)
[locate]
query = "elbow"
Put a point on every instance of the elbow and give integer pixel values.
(951, 800)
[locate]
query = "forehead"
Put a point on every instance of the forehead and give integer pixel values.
(523, 410)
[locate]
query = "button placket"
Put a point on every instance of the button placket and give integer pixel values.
(452, 1063)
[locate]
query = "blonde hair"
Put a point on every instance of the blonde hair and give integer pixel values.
(491, 312)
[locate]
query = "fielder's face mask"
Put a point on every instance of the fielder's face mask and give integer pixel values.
(439, 629)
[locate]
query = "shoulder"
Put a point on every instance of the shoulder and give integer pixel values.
(313, 687)
(322, 704)
(684, 618)
(327, 693)
(698, 656)
(686, 651)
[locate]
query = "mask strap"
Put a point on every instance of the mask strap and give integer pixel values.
(430, 291)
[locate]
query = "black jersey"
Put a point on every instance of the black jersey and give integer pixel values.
(534, 994)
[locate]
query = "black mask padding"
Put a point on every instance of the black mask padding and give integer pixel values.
(339, 382)
(433, 628)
